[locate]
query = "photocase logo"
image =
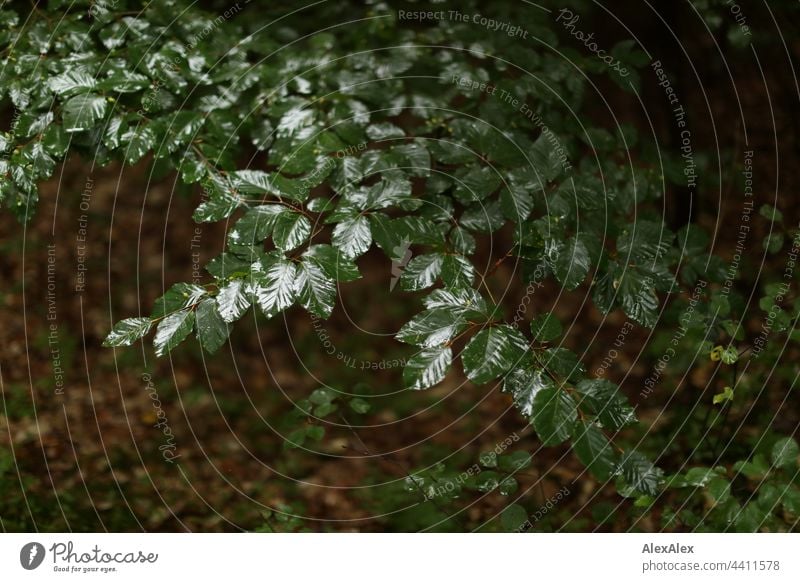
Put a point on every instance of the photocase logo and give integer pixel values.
(31, 555)
(401, 255)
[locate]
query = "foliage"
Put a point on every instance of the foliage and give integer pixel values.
(318, 155)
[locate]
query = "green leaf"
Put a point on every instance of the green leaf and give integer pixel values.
(476, 184)
(785, 453)
(562, 362)
(692, 240)
(172, 330)
(360, 406)
(492, 352)
(773, 242)
(233, 300)
(275, 287)
(730, 355)
(513, 462)
(516, 203)
(321, 204)
(416, 158)
(593, 449)
(179, 296)
(603, 399)
(570, 262)
(457, 271)
(322, 396)
(465, 299)
(394, 236)
(258, 182)
(387, 192)
(212, 330)
(462, 241)
(353, 236)
(546, 327)
(432, 328)
(523, 384)
(139, 140)
(513, 518)
(316, 433)
(291, 230)
(771, 213)
(421, 272)
(128, 331)
(252, 182)
(725, 396)
(56, 140)
(638, 297)
(486, 481)
(508, 486)
(644, 240)
(72, 82)
(229, 264)
(290, 188)
(295, 439)
(123, 81)
(315, 289)
(719, 489)
(640, 473)
(256, 225)
(427, 368)
(384, 131)
(545, 158)
(333, 262)
(82, 112)
(483, 217)
(554, 416)
(218, 206)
